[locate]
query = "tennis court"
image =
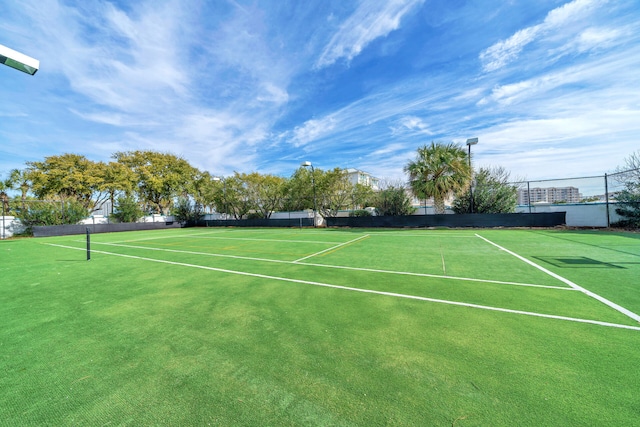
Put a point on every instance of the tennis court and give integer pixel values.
(323, 327)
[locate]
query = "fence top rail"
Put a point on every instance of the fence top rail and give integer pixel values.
(605, 175)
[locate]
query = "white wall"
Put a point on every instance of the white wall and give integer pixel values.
(9, 226)
(578, 215)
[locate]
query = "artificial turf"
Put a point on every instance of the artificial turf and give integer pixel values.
(132, 341)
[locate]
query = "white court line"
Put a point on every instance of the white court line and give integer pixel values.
(310, 264)
(262, 240)
(142, 239)
(369, 291)
(207, 235)
(568, 282)
(332, 248)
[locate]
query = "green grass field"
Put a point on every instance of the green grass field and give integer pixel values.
(290, 327)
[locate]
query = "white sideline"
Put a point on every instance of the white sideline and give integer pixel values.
(311, 264)
(568, 282)
(369, 291)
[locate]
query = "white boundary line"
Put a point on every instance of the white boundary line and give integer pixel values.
(332, 248)
(369, 270)
(369, 291)
(262, 240)
(568, 282)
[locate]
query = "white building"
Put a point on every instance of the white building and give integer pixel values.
(548, 195)
(364, 178)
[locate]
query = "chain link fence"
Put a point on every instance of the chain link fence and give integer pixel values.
(588, 200)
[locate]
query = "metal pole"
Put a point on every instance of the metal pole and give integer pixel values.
(529, 196)
(315, 205)
(471, 187)
(88, 244)
(606, 198)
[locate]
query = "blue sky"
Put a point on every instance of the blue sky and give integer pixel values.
(550, 87)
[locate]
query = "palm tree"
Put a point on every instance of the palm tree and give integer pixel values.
(19, 180)
(438, 171)
(4, 197)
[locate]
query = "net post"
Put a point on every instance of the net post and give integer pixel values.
(88, 244)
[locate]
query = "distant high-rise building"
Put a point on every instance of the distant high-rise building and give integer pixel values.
(548, 195)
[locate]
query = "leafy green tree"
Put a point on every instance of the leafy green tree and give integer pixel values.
(334, 191)
(235, 198)
(361, 195)
(359, 213)
(265, 191)
(629, 209)
(119, 180)
(298, 191)
(186, 209)
(492, 193)
(127, 209)
(68, 176)
(205, 188)
(629, 198)
(38, 212)
(393, 200)
(158, 177)
(438, 171)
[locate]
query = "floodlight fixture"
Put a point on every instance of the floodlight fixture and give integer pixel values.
(472, 141)
(19, 61)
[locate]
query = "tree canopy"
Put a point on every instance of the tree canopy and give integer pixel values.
(492, 193)
(629, 198)
(439, 170)
(143, 182)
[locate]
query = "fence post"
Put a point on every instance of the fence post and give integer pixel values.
(606, 198)
(529, 196)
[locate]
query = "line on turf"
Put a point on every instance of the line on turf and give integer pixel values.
(603, 300)
(368, 291)
(262, 240)
(142, 239)
(341, 245)
(310, 264)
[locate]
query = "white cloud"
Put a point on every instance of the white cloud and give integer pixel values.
(557, 26)
(370, 21)
(311, 130)
(503, 52)
(411, 124)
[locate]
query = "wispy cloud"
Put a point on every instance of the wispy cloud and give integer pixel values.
(242, 85)
(312, 130)
(370, 21)
(411, 124)
(557, 25)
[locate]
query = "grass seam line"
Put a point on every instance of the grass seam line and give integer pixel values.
(369, 291)
(575, 286)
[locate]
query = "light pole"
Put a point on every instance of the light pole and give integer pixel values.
(19, 61)
(26, 64)
(313, 184)
(470, 142)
